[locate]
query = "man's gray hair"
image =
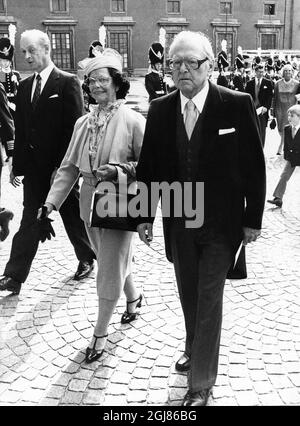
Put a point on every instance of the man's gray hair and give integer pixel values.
(193, 38)
(38, 35)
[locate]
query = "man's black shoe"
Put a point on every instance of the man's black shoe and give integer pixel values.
(5, 217)
(10, 284)
(197, 399)
(276, 201)
(184, 363)
(84, 269)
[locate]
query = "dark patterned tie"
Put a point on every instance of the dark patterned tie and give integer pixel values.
(37, 91)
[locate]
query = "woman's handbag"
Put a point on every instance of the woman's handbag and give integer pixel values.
(110, 210)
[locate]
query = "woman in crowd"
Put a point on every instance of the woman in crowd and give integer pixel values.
(285, 92)
(110, 133)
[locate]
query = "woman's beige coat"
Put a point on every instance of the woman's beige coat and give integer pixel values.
(121, 144)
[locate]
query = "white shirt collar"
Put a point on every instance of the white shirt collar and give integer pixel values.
(297, 127)
(46, 72)
(198, 100)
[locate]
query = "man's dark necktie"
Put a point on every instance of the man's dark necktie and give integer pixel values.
(37, 91)
(257, 87)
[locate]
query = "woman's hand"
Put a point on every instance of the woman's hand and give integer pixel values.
(45, 213)
(107, 172)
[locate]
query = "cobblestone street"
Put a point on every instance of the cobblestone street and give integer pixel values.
(44, 331)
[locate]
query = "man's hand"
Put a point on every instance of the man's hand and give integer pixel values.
(12, 179)
(15, 181)
(107, 172)
(145, 233)
(250, 235)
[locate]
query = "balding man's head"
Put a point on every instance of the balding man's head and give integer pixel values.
(35, 45)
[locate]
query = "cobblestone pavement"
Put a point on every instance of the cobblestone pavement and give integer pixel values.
(44, 331)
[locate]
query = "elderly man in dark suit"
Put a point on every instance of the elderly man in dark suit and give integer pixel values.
(203, 133)
(47, 106)
(7, 132)
(261, 90)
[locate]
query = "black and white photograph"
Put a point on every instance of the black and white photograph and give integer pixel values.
(149, 206)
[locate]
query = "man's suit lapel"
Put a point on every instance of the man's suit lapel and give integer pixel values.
(213, 118)
(170, 130)
(49, 88)
(27, 92)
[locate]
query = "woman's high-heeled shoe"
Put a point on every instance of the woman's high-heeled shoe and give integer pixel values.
(91, 354)
(127, 317)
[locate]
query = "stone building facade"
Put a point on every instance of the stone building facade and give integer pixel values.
(132, 25)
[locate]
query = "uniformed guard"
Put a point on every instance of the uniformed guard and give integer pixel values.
(270, 68)
(223, 64)
(238, 81)
(8, 77)
(154, 81)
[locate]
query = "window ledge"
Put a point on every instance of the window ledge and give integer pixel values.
(7, 19)
(173, 21)
(117, 20)
(60, 21)
(269, 23)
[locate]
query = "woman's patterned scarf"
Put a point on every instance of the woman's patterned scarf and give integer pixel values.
(98, 120)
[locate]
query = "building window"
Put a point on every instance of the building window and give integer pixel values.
(269, 9)
(268, 41)
(58, 6)
(120, 42)
(3, 33)
(118, 5)
(2, 6)
(62, 52)
(173, 6)
(226, 7)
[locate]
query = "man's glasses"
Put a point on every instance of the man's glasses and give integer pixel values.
(191, 64)
(101, 80)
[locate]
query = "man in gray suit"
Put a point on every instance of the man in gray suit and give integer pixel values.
(48, 104)
(203, 133)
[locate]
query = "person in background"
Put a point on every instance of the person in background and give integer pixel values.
(105, 145)
(155, 80)
(7, 133)
(48, 104)
(261, 90)
(95, 49)
(239, 75)
(223, 65)
(207, 134)
(291, 153)
(285, 95)
(9, 77)
(270, 68)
